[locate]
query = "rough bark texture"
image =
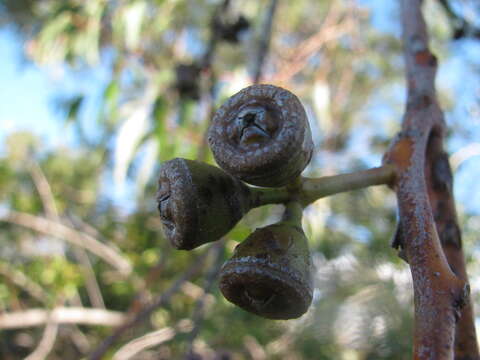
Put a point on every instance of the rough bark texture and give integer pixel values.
(440, 186)
(427, 218)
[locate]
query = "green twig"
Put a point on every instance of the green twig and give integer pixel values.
(293, 213)
(312, 189)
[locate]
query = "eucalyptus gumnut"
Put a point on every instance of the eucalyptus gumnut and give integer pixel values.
(261, 135)
(270, 273)
(198, 203)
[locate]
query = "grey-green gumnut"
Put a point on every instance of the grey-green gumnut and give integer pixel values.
(261, 135)
(198, 203)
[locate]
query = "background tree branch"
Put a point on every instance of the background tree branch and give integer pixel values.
(60, 315)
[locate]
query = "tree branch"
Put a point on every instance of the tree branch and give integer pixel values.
(66, 233)
(144, 313)
(332, 28)
(49, 205)
(438, 293)
(96, 299)
(210, 78)
(46, 343)
(440, 192)
(21, 280)
(91, 284)
(44, 190)
(154, 338)
(198, 312)
(60, 315)
(264, 42)
(461, 27)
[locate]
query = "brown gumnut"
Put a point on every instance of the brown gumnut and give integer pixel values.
(270, 273)
(198, 203)
(261, 135)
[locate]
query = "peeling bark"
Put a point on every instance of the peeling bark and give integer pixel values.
(426, 208)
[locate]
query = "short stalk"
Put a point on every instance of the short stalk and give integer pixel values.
(311, 189)
(267, 196)
(314, 189)
(293, 213)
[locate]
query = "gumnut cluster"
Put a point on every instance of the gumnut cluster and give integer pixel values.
(260, 136)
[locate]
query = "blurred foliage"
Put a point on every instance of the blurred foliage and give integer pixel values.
(347, 73)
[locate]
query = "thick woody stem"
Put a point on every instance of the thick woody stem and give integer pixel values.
(438, 293)
(440, 192)
(309, 190)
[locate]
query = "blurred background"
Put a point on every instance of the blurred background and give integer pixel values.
(96, 94)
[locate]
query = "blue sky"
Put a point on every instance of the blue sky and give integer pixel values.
(28, 94)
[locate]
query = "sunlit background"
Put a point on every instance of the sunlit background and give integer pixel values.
(91, 105)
